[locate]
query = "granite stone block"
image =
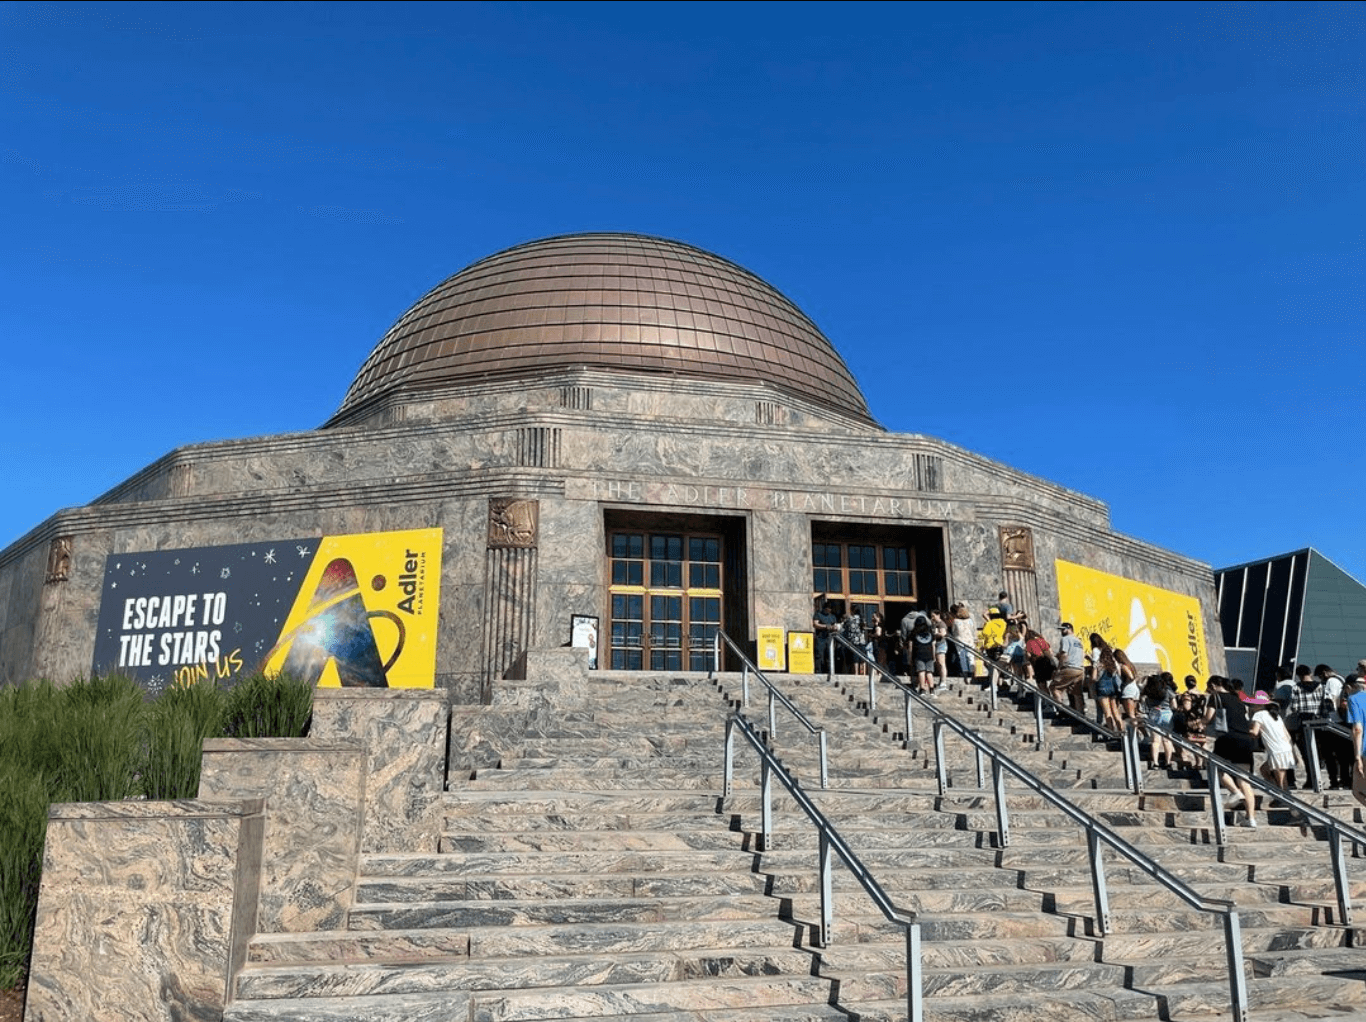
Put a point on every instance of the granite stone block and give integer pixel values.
(145, 909)
(314, 792)
(403, 732)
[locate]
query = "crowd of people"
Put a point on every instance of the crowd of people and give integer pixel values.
(1235, 725)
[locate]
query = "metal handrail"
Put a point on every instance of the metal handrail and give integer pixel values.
(1337, 830)
(1096, 832)
(1311, 744)
(830, 840)
(775, 696)
(994, 669)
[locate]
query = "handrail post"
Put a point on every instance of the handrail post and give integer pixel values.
(766, 807)
(940, 769)
(908, 718)
(1134, 756)
(1216, 799)
(1130, 780)
(991, 684)
(1340, 880)
(744, 684)
(830, 658)
(981, 770)
(772, 715)
(1038, 717)
(727, 781)
(998, 777)
(915, 994)
(1311, 758)
(1237, 980)
(827, 923)
(825, 762)
(715, 654)
(1098, 890)
(872, 693)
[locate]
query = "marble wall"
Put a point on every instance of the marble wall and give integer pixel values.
(145, 909)
(314, 791)
(625, 441)
(403, 733)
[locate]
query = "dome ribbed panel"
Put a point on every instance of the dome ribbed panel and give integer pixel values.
(607, 301)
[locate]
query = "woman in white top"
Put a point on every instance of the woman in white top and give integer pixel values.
(1276, 741)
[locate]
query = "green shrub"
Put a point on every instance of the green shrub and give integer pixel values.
(23, 827)
(27, 718)
(269, 706)
(97, 740)
(177, 724)
(100, 740)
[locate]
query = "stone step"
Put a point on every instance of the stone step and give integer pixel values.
(593, 840)
(456, 802)
(591, 780)
(602, 821)
(472, 914)
(1330, 997)
(331, 946)
(943, 892)
(698, 995)
(438, 1007)
(613, 938)
(481, 865)
(523, 972)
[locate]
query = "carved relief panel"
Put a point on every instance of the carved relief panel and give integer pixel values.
(59, 559)
(513, 523)
(1017, 547)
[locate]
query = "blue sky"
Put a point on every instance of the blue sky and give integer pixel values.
(1122, 247)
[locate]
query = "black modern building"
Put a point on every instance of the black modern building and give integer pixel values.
(1296, 608)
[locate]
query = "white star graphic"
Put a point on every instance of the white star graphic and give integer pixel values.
(270, 556)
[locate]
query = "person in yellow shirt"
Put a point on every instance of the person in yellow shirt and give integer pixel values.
(993, 633)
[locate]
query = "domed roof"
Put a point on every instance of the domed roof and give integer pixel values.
(607, 301)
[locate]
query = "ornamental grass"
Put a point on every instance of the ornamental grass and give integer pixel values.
(101, 739)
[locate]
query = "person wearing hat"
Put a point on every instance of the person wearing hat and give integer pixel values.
(992, 638)
(1276, 740)
(1071, 670)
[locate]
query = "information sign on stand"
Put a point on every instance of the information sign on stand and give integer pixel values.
(801, 652)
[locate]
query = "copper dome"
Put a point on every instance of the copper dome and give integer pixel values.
(607, 301)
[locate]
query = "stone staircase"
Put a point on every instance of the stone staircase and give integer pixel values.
(596, 872)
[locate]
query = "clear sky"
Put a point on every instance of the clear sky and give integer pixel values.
(1119, 246)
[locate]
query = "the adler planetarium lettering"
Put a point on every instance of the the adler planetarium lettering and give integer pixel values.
(755, 498)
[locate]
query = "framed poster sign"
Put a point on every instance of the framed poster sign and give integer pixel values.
(583, 634)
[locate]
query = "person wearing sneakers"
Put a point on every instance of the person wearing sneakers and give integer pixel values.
(1268, 726)
(1236, 744)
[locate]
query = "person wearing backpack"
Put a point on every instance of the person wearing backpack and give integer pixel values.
(1335, 749)
(851, 628)
(1306, 698)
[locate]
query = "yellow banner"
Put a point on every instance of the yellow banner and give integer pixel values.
(801, 652)
(1152, 625)
(770, 649)
(366, 613)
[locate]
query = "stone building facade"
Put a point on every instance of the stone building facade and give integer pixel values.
(605, 425)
